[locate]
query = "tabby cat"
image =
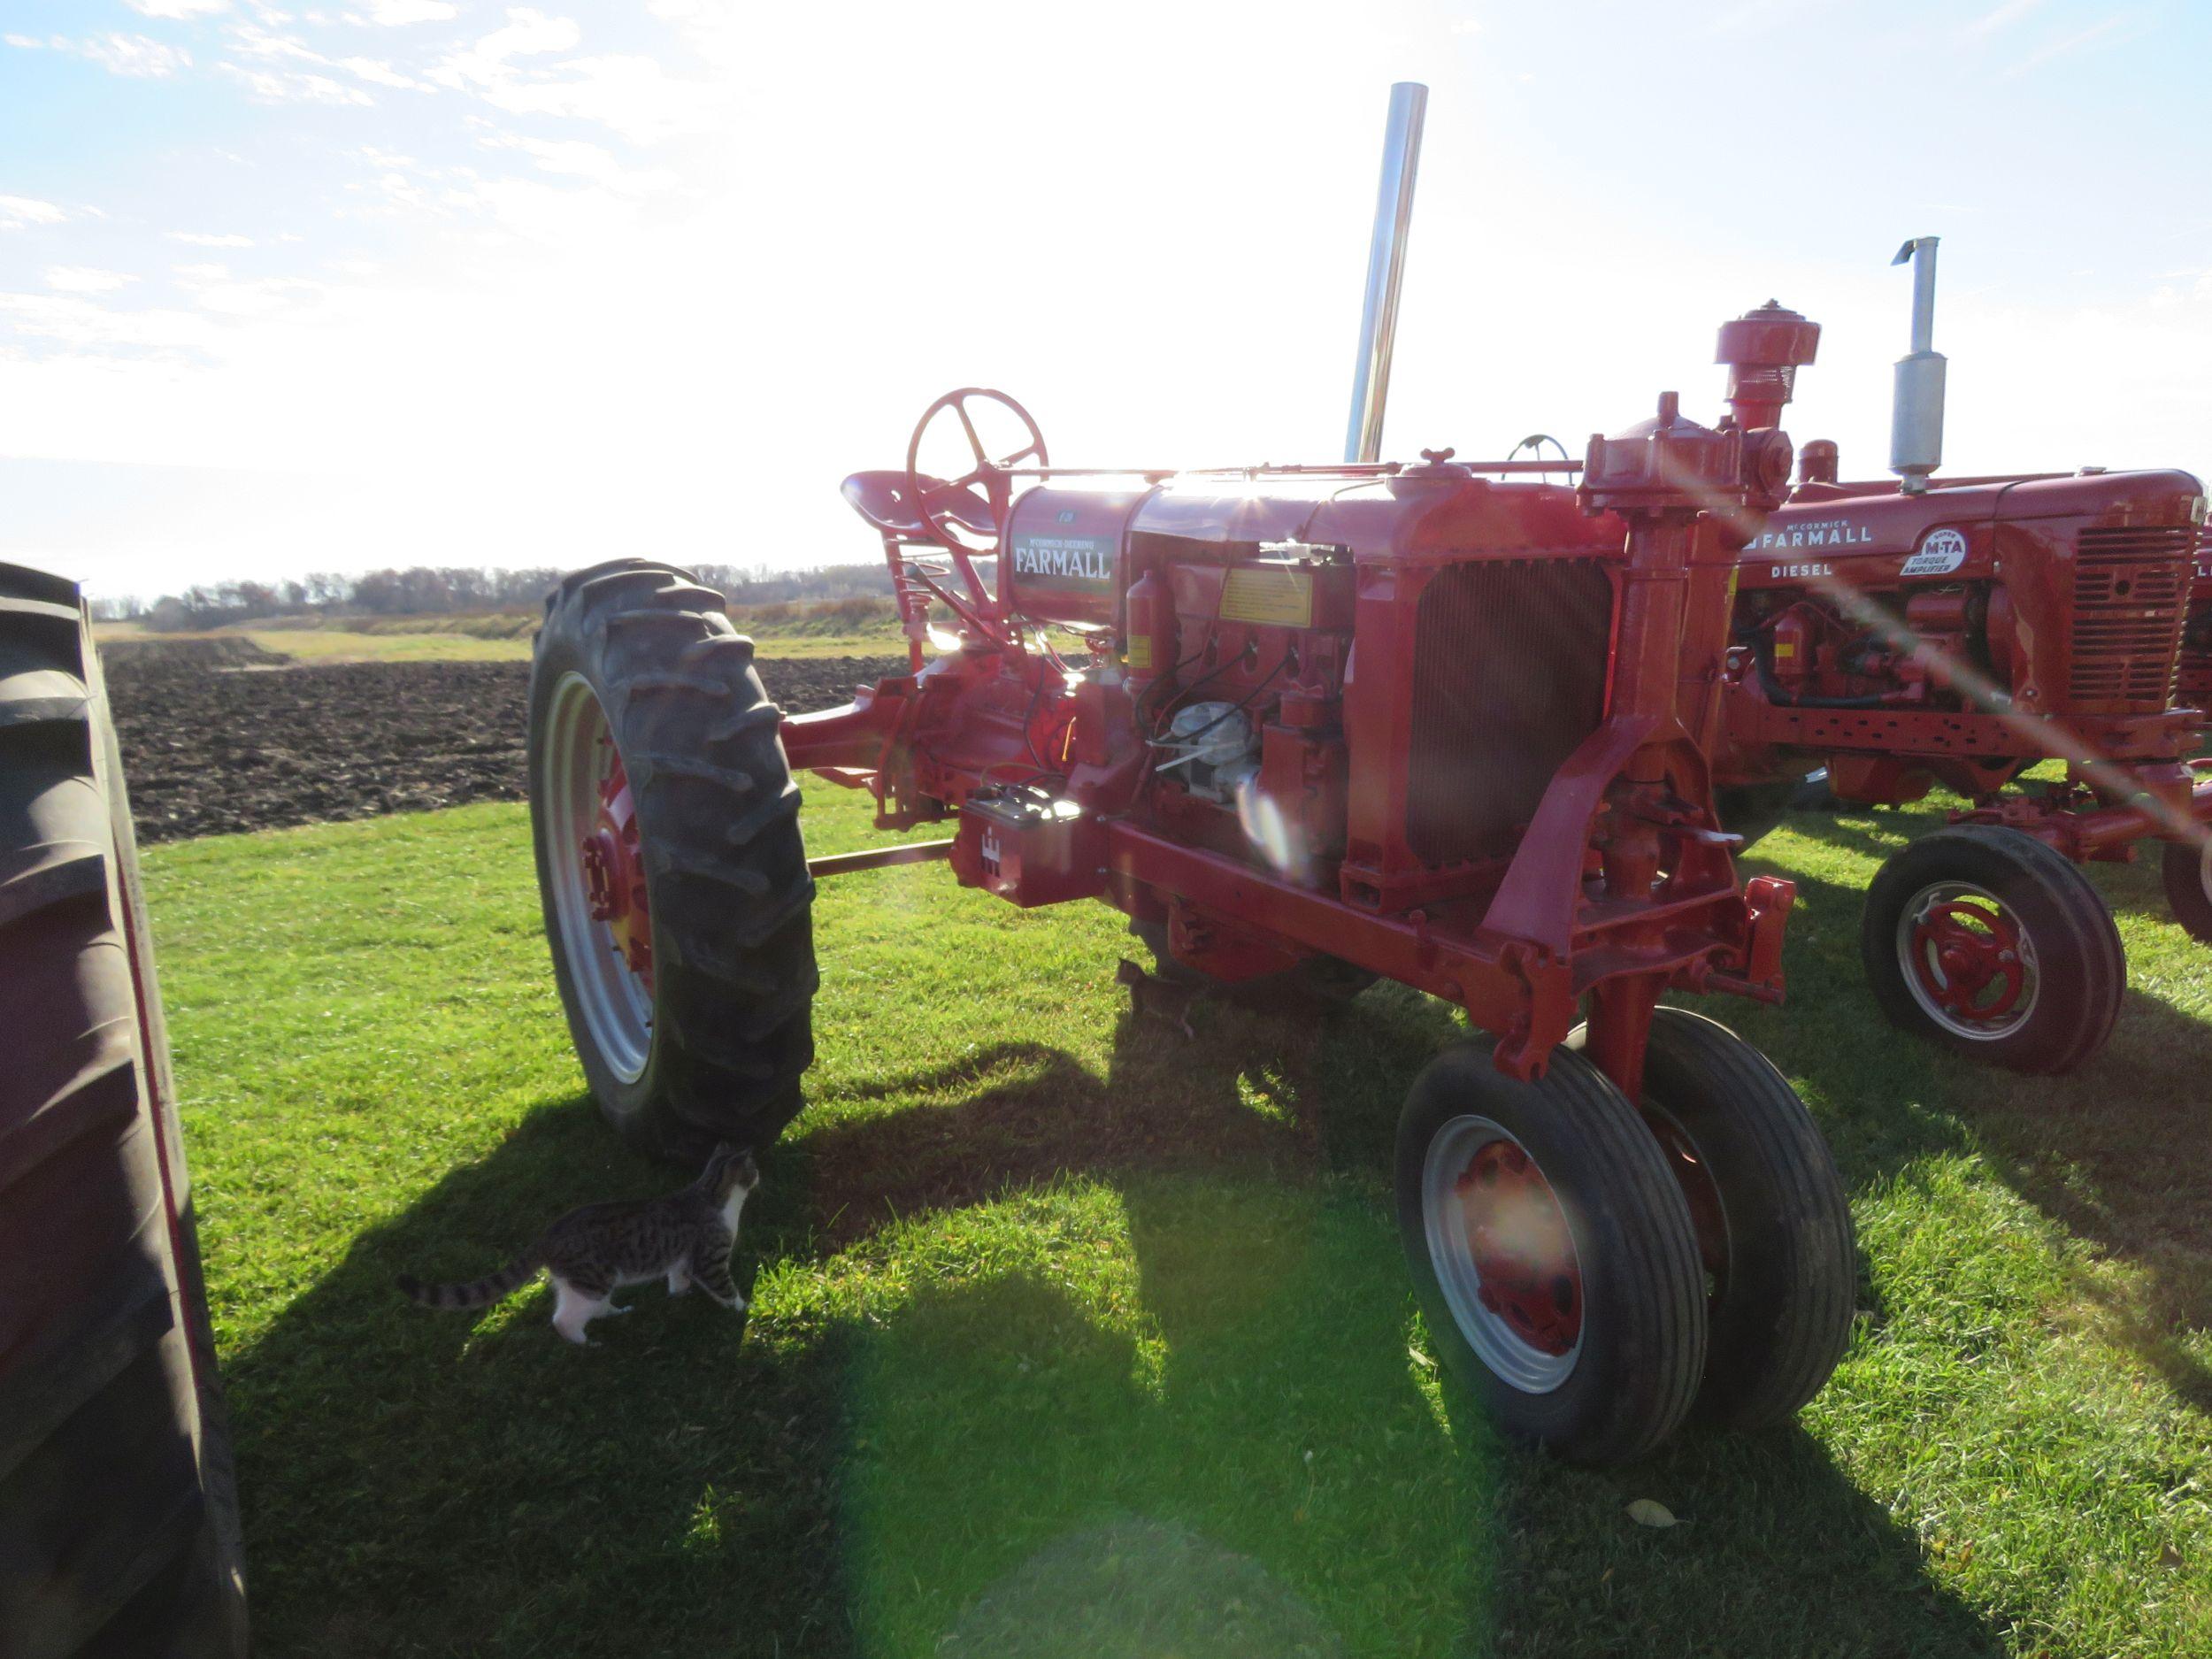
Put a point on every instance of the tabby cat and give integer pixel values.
(1148, 994)
(684, 1236)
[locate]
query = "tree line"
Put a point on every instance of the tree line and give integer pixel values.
(446, 590)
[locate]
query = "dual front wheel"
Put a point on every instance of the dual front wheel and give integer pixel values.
(1596, 1272)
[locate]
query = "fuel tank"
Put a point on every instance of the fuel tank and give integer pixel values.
(1064, 553)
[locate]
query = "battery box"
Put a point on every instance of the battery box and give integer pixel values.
(1029, 848)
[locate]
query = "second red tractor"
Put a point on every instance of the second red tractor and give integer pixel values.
(1962, 633)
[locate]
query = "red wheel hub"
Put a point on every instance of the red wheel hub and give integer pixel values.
(1967, 956)
(614, 872)
(1522, 1253)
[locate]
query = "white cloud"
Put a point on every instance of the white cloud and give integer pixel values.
(260, 297)
(391, 13)
(293, 87)
(2002, 16)
(134, 55)
(574, 159)
(527, 35)
(22, 41)
(71, 320)
(256, 42)
(634, 97)
(178, 10)
(207, 239)
(82, 279)
(15, 212)
(383, 73)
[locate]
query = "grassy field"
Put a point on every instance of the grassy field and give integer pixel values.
(1074, 1338)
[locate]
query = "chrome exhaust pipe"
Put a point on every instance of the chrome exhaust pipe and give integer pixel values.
(1915, 421)
(1386, 270)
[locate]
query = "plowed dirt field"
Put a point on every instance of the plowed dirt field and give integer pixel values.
(221, 735)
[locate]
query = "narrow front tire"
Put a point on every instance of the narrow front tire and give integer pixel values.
(1773, 1226)
(1552, 1254)
(2187, 874)
(1986, 940)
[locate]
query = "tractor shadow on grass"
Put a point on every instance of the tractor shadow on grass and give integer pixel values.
(426, 1482)
(2111, 1154)
(986, 1455)
(1262, 1409)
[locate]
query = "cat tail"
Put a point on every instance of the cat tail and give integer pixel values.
(481, 1293)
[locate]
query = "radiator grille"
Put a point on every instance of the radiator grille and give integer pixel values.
(2129, 587)
(2194, 684)
(1509, 675)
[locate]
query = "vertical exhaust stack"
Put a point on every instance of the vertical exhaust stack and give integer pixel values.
(1916, 426)
(1386, 270)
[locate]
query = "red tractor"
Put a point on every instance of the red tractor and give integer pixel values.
(1960, 631)
(1434, 723)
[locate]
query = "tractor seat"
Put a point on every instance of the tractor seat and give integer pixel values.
(881, 498)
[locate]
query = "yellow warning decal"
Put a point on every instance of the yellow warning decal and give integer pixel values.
(1269, 594)
(1785, 648)
(1138, 653)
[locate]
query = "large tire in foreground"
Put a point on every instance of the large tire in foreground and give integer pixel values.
(2186, 871)
(1986, 940)
(1773, 1226)
(1552, 1253)
(669, 863)
(118, 1517)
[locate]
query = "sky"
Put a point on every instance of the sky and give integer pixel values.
(329, 287)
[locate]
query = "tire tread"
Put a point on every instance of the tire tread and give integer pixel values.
(2083, 964)
(734, 960)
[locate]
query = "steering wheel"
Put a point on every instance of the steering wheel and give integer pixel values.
(942, 503)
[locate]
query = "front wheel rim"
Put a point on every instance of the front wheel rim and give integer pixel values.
(1968, 961)
(1503, 1255)
(597, 879)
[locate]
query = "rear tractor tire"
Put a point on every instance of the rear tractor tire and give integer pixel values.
(1553, 1254)
(670, 862)
(1985, 939)
(2187, 872)
(1773, 1226)
(119, 1526)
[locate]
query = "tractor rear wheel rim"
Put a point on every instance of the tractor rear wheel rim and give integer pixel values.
(2204, 867)
(598, 881)
(1503, 1254)
(1968, 961)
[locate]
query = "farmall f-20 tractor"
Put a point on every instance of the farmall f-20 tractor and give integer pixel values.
(1435, 723)
(1960, 632)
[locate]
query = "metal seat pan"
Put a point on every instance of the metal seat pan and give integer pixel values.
(883, 500)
